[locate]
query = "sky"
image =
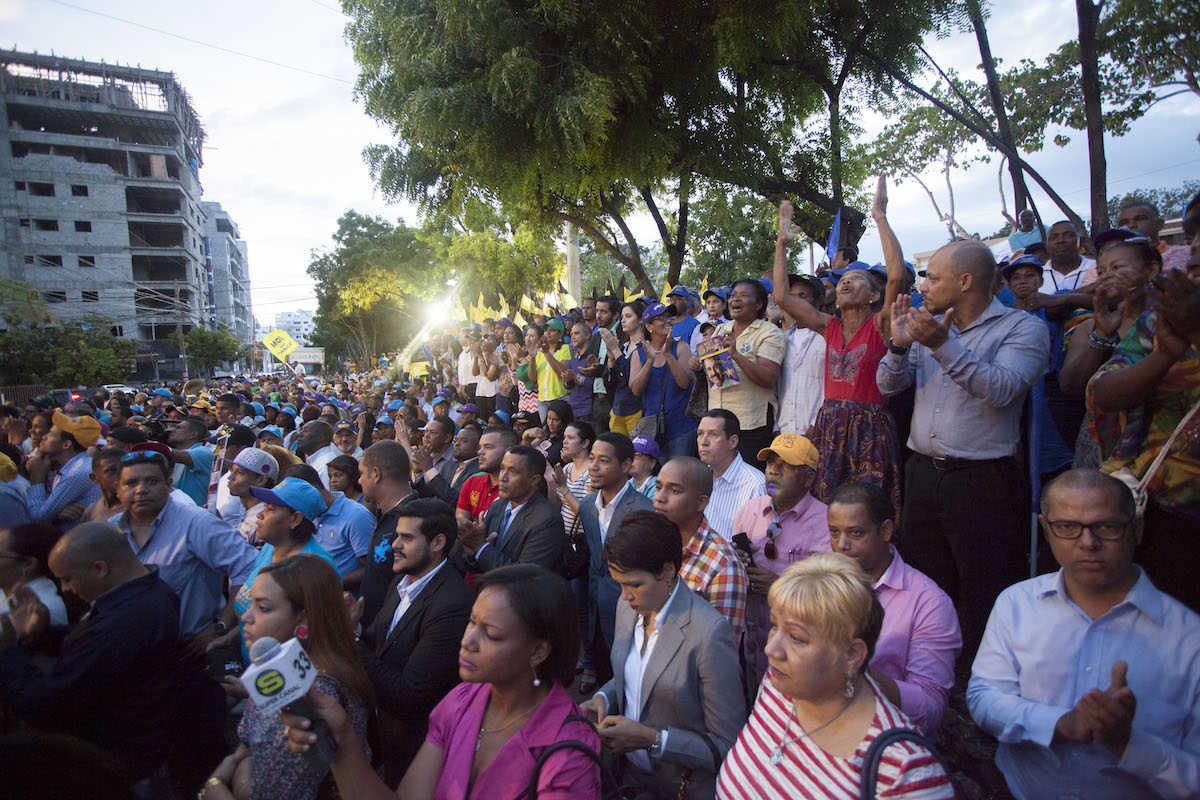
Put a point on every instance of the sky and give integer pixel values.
(272, 81)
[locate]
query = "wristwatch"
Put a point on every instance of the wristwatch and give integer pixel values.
(655, 750)
(894, 348)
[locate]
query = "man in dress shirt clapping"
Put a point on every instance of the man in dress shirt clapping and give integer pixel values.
(1090, 676)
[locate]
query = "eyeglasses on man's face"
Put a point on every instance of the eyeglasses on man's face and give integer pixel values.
(1109, 530)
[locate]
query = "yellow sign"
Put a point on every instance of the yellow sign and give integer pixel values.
(419, 368)
(280, 343)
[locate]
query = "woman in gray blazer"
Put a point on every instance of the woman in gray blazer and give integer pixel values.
(675, 703)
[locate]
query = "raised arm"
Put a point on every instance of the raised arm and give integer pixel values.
(799, 309)
(893, 256)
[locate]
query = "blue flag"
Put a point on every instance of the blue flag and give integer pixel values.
(835, 236)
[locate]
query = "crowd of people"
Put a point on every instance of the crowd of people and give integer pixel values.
(713, 545)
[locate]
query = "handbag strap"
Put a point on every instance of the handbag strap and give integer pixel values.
(1166, 448)
(870, 765)
(531, 791)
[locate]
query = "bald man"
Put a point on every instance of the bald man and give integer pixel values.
(119, 670)
(711, 567)
(965, 521)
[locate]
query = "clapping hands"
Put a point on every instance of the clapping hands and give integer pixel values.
(918, 325)
(1105, 716)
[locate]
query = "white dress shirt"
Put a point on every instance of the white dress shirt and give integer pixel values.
(408, 589)
(1040, 653)
(1054, 281)
(740, 482)
(605, 512)
(802, 381)
(635, 669)
(320, 462)
(511, 512)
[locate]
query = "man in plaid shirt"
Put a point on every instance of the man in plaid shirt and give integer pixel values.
(711, 568)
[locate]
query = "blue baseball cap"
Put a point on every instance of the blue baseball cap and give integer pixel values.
(275, 429)
(680, 291)
(767, 284)
(468, 408)
(296, 494)
(646, 446)
(655, 309)
(162, 393)
(395, 405)
(1032, 262)
(720, 291)
(853, 265)
(345, 426)
(502, 416)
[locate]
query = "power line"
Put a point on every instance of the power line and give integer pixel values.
(203, 44)
(337, 11)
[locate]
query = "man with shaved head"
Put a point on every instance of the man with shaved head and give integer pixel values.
(119, 671)
(710, 568)
(315, 440)
(965, 520)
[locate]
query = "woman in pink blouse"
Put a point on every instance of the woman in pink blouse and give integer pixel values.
(517, 653)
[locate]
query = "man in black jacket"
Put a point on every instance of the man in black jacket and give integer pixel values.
(521, 526)
(411, 649)
(119, 680)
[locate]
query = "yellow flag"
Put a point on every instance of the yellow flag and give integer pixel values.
(632, 294)
(704, 285)
(667, 287)
(280, 344)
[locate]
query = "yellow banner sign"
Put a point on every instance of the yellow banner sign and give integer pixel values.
(280, 344)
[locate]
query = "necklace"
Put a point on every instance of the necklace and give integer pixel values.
(777, 753)
(505, 726)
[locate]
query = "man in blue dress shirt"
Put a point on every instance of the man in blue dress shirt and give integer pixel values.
(1090, 676)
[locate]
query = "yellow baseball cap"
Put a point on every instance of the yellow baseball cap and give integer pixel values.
(794, 449)
(8, 470)
(85, 429)
(201, 404)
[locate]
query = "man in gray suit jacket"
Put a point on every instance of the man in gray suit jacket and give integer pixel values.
(680, 715)
(521, 526)
(601, 513)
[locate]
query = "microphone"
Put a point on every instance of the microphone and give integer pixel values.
(278, 679)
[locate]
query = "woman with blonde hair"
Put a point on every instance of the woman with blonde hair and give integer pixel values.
(818, 710)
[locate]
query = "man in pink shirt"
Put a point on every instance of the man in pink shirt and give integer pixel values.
(920, 639)
(785, 525)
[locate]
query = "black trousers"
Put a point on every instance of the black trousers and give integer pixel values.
(1169, 553)
(755, 439)
(967, 528)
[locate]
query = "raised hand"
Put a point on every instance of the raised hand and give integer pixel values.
(1177, 301)
(787, 231)
(1113, 711)
(879, 204)
(1108, 305)
(901, 309)
(30, 617)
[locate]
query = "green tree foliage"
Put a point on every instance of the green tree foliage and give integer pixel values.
(733, 232)
(1156, 45)
(1168, 200)
(207, 349)
(586, 112)
(63, 354)
(370, 285)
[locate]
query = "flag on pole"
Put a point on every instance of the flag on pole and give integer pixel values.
(835, 236)
(704, 285)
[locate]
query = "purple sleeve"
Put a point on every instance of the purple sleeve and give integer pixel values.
(933, 647)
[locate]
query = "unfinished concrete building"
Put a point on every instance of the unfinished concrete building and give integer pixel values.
(227, 265)
(100, 197)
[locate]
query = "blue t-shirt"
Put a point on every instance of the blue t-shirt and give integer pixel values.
(682, 331)
(241, 600)
(194, 480)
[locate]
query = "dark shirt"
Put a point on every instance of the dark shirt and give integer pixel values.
(117, 677)
(377, 572)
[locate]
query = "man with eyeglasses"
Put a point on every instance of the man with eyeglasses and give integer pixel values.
(1089, 676)
(195, 552)
(785, 525)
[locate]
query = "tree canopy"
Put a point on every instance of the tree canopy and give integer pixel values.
(207, 349)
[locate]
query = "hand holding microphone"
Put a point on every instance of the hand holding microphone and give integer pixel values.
(278, 680)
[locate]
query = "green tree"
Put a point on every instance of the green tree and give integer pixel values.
(586, 112)
(206, 349)
(369, 286)
(1155, 45)
(1168, 200)
(80, 352)
(733, 231)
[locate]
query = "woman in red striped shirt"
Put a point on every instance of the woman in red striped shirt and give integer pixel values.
(817, 710)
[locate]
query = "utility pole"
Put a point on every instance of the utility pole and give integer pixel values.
(179, 329)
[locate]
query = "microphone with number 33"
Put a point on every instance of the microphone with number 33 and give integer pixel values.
(278, 679)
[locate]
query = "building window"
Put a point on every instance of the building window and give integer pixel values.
(49, 261)
(90, 297)
(29, 260)
(20, 186)
(118, 331)
(41, 189)
(83, 226)
(24, 222)
(46, 224)
(87, 261)
(55, 297)
(78, 190)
